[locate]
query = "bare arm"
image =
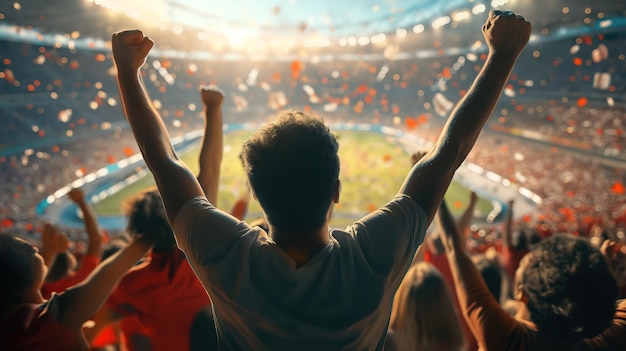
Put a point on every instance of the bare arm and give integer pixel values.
(52, 243)
(483, 314)
(508, 225)
(175, 181)
(506, 35)
(466, 218)
(212, 147)
(91, 222)
(82, 301)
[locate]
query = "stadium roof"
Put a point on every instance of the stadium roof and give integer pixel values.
(184, 23)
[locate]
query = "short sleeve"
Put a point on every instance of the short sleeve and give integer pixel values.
(390, 236)
(208, 235)
(130, 291)
(87, 265)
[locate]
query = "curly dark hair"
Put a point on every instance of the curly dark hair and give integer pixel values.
(146, 218)
(293, 168)
(571, 292)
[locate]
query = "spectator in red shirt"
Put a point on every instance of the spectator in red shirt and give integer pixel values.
(63, 271)
(163, 292)
(30, 322)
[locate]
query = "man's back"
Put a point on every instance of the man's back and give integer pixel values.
(340, 299)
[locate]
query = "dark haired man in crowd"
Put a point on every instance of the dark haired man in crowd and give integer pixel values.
(299, 286)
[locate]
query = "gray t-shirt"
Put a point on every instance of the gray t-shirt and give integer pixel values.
(339, 300)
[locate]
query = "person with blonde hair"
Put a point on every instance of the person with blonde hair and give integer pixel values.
(423, 316)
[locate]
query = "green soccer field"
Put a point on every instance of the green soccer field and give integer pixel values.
(372, 170)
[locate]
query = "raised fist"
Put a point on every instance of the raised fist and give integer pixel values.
(211, 95)
(506, 33)
(77, 195)
(130, 49)
(53, 241)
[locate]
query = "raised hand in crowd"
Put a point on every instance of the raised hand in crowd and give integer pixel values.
(67, 270)
(94, 246)
(506, 35)
(212, 147)
(52, 243)
(61, 317)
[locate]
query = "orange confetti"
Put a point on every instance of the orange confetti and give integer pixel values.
(458, 204)
(100, 57)
(371, 207)
(582, 102)
(447, 74)
(411, 123)
(387, 158)
(578, 61)
(276, 77)
(618, 188)
(7, 223)
(111, 159)
(128, 151)
(296, 68)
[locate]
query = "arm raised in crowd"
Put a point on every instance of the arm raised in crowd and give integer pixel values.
(91, 222)
(82, 301)
(466, 218)
(482, 312)
(212, 148)
(175, 181)
(508, 225)
(52, 244)
(454, 244)
(506, 35)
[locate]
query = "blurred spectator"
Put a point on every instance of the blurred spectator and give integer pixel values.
(162, 292)
(64, 270)
(423, 316)
(566, 291)
(28, 321)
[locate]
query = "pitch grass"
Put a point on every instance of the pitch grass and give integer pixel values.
(372, 170)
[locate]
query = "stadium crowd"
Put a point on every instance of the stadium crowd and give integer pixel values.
(272, 287)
